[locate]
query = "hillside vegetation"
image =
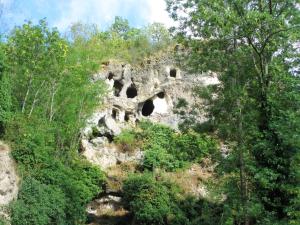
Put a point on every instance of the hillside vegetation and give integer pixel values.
(46, 95)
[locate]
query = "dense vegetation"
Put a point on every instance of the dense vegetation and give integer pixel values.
(46, 94)
(160, 202)
(165, 149)
(252, 45)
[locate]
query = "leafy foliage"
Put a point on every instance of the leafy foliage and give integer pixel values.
(35, 151)
(251, 44)
(48, 102)
(5, 93)
(127, 140)
(166, 149)
(155, 201)
(39, 204)
(149, 200)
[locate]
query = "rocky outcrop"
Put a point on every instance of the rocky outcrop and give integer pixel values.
(153, 91)
(8, 179)
(158, 91)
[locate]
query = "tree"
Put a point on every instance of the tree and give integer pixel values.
(5, 92)
(158, 34)
(120, 27)
(36, 58)
(251, 44)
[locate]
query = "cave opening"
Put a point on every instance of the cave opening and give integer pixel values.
(109, 137)
(161, 94)
(148, 108)
(117, 88)
(110, 76)
(173, 73)
(114, 114)
(126, 116)
(131, 91)
(101, 122)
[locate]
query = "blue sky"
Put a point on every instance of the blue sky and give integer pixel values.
(62, 13)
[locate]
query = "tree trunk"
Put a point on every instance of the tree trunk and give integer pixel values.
(35, 99)
(243, 186)
(26, 95)
(52, 102)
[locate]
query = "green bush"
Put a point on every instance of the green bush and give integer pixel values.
(39, 204)
(166, 149)
(149, 201)
(127, 140)
(155, 201)
(192, 146)
(182, 103)
(34, 148)
(157, 157)
(155, 134)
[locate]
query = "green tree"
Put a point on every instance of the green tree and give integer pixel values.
(251, 44)
(159, 35)
(36, 56)
(5, 93)
(52, 97)
(120, 27)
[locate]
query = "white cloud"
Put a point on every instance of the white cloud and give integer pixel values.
(102, 12)
(157, 12)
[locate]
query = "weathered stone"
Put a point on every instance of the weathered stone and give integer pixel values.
(8, 180)
(135, 93)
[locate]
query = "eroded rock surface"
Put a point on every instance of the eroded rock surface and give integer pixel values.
(158, 91)
(8, 179)
(152, 91)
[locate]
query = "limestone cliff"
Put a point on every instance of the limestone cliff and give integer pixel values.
(151, 91)
(8, 179)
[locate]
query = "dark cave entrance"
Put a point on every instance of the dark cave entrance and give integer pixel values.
(161, 94)
(173, 73)
(127, 116)
(148, 108)
(131, 91)
(101, 122)
(117, 88)
(110, 76)
(114, 114)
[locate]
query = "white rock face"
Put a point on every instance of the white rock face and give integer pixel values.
(151, 91)
(101, 153)
(8, 179)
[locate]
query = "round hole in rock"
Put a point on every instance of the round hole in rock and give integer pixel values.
(161, 94)
(148, 108)
(110, 76)
(117, 87)
(131, 91)
(173, 73)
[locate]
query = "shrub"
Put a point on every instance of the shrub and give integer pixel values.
(39, 204)
(182, 103)
(166, 149)
(155, 201)
(155, 134)
(65, 172)
(192, 146)
(157, 157)
(127, 140)
(149, 200)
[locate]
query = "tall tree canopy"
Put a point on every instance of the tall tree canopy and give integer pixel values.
(251, 44)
